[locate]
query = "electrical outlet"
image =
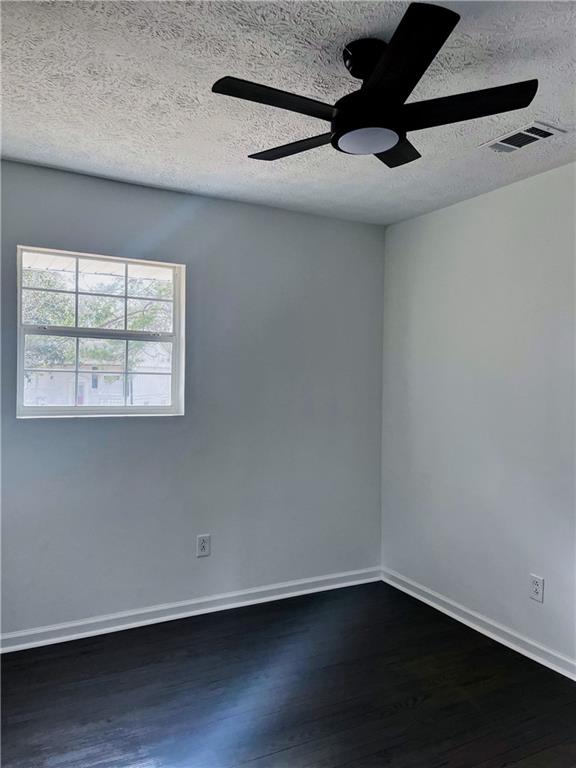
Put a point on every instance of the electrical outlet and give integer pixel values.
(203, 547)
(537, 588)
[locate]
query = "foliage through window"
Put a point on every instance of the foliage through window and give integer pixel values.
(98, 335)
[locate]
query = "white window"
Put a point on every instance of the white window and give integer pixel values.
(99, 336)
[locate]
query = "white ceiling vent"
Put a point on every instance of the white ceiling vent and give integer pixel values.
(530, 134)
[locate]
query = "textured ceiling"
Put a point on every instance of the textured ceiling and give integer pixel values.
(122, 89)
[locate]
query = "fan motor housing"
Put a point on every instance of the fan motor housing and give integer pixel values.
(362, 56)
(360, 129)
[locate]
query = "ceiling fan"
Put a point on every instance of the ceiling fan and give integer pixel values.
(375, 119)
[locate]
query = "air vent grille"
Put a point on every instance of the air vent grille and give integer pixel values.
(522, 138)
(518, 140)
(539, 132)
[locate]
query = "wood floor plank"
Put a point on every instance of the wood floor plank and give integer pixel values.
(363, 677)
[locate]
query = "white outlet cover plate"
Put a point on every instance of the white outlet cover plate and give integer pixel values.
(203, 545)
(536, 588)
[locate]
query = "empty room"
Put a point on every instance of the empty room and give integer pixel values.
(288, 366)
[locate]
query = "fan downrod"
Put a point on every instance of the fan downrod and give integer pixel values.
(361, 56)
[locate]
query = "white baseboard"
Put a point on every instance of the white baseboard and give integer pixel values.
(114, 622)
(524, 645)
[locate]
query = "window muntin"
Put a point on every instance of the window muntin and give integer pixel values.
(99, 335)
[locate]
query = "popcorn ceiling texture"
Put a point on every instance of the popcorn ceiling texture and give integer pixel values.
(122, 89)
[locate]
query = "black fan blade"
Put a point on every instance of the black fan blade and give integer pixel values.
(421, 33)
(402, 153)
(292, 149)
(262, 94)
(467, 106)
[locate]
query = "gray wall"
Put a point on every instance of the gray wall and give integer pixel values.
(478, 404)
(278, 455)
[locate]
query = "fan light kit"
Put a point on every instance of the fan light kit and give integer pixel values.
(375, 119)
(367, 141)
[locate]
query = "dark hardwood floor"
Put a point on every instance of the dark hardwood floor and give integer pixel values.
(364, 677)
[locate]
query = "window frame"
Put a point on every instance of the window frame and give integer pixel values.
(177, 337)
